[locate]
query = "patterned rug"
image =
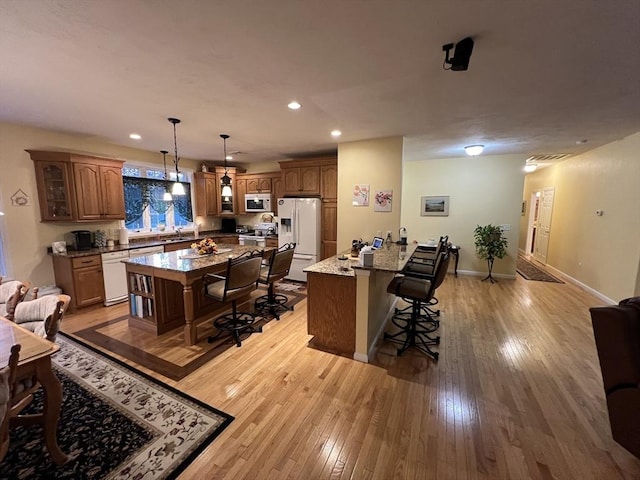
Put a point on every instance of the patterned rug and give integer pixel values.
(529, 271)
(119, 423)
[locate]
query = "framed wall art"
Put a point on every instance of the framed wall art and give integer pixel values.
(382, 200)
(434, 206)
(361, 195)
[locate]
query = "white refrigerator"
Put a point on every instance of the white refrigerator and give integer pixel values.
(299, 222)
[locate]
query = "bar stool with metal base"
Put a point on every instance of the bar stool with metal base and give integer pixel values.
(415, 327)
(278, 268)
(240, 280)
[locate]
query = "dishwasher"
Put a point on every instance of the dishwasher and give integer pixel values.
(115, 277)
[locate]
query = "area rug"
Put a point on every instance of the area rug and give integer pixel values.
(529, 271)
(117, 422)
(167, 354)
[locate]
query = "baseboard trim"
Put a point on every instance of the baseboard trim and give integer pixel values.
(578, 283)
(484, 274)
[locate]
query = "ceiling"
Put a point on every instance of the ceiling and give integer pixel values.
(543, 75)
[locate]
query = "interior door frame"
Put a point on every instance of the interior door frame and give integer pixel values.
(532, 222)
(539, 255)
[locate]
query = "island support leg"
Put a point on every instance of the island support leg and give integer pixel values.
(190, 333)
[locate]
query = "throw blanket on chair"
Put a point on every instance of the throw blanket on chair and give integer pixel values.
(8, 290)
(34, 314)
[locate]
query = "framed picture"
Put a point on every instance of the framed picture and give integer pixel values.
(361, 195)
(433, 206)
(382, 200)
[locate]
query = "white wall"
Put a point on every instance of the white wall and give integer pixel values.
(481, 190)
(602, 252)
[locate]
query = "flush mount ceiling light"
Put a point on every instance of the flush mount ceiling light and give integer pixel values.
(135, 136)
(178, 188)
(474, 150)
(294, 105)
(167, 194)
(336, 133)
(225, 181)
(530, 167)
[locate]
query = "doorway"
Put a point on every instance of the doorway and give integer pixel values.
(532, 223)
(539, 225)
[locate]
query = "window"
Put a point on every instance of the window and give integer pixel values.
(145, 209)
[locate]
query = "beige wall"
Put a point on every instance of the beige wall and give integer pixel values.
(25, 239)
(481, 190)
(602, 252)
(377, 163)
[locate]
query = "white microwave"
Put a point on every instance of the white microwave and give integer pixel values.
(257, 202)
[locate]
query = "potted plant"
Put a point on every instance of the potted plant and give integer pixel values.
(490, 244)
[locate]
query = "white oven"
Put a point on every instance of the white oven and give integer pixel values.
(257, 202)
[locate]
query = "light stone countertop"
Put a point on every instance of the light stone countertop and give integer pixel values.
(390, 258)
(183, 261)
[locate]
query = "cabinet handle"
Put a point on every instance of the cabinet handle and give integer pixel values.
(87, 261)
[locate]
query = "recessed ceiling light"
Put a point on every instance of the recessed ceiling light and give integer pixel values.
(294, 105)
(336, 133)
(531, 167)
(135, 136)
(581, 142)
(474, 150)
(229, 157)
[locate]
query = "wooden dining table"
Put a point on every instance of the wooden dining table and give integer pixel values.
(35, 361)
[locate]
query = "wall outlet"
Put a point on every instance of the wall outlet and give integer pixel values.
(378, 233)
(505, 227)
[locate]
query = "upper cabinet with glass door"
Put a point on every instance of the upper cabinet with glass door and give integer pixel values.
(54, 191)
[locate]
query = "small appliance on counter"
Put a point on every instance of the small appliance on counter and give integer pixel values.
(228, 225)
(81, 239)
(123, 236)
(403, 236)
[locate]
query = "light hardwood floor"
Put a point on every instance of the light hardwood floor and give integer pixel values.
(517, 394)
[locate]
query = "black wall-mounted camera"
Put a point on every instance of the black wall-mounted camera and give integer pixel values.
(461, 55)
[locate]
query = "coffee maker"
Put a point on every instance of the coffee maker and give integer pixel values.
(81, 239)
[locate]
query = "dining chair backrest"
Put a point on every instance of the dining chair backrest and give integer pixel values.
(281, 262)
(243, 271)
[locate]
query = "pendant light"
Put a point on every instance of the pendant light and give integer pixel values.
(167, 194)
(178, 188)
(225, 180)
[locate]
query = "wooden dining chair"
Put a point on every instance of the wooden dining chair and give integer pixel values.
(7, 379)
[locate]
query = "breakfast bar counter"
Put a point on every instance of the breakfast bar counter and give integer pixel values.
(166, 292)
(347, 309)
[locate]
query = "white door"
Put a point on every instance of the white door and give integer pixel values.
(544, 226)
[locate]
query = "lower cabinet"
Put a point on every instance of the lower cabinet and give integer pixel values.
(81, 278)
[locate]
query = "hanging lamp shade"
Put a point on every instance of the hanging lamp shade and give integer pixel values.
(225, 181)
(177, 188)
(167, 195)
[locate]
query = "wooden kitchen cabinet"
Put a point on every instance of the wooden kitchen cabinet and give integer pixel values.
(329, 222)
(81, 278)
(206, 194)
(329, 182)
(301, 181)
(241, 191)
(99, 191)
(258, 184)
(74, 187)
(278, 192)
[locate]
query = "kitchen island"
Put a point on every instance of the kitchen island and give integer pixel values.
(347, 309)
(166, 292)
